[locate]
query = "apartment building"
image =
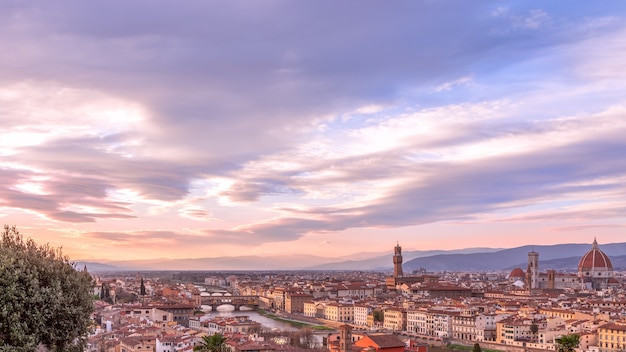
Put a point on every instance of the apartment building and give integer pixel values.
(464, 326)
(394, 319)
(416, 321)
(339, 312)
(612, 337)
(294, 302)
(439, 323)
(361, 312)
(514, 329)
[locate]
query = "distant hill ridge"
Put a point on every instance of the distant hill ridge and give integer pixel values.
(562, 257)
(559, 257)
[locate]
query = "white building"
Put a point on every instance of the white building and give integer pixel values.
(360, 314)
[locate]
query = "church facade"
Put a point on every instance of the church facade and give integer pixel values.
(595, 269)
(595, 272)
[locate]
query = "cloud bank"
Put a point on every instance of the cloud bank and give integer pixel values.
(203, 129)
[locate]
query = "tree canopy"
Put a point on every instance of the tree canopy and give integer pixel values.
(534, 328)
(214, 343)
(44, 300)
(567, 343)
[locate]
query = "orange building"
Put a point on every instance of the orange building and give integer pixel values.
(381, 343)
(346, 342)
(418, 347)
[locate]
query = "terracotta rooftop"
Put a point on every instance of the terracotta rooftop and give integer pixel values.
(386, 341)
(595, 258)
(517, 272)
(614, 326)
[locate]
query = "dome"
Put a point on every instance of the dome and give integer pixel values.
(594, 259)
(517, 272)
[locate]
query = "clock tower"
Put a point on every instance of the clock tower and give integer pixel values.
(397, 261)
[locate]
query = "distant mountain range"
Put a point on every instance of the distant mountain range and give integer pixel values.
(558, 257)
(383, 262)
(562, 257)
(360, 261)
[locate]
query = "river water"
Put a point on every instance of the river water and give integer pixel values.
(267, 323)
(229, 311)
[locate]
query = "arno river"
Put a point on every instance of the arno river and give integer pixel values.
(228, 311)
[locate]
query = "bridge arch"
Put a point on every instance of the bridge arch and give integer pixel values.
(235, 301)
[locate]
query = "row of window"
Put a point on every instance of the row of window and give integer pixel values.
(610, 338)
(612, 331)
(613, 346)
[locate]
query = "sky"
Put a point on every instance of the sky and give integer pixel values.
(188, 129)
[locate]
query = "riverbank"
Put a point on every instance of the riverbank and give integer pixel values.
(295, 323)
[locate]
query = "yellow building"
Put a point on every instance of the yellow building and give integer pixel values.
(612, 337)
(339, 312)
(513, 329)
(567, 314)
(394, 319)
(370, 319)
(309, 309)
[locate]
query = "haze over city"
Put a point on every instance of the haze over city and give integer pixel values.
(137, 130)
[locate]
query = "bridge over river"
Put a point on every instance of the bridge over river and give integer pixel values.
(215, 301)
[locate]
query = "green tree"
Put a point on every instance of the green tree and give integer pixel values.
(534, 329)
(44, 300)
(567, 343)
(214, 343)
(379, 316)
(476, 348)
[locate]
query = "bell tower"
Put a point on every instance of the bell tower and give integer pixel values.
(345, 338)
(397, 261)
(532, 272)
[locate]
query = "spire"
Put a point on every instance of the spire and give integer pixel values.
(142, 288)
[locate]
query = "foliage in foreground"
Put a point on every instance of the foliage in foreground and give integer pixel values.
(43, 300)
(214, 343)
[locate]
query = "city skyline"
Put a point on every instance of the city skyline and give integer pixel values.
(151, 130)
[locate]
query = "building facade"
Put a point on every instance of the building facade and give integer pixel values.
(612, 337)
(595, 272)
